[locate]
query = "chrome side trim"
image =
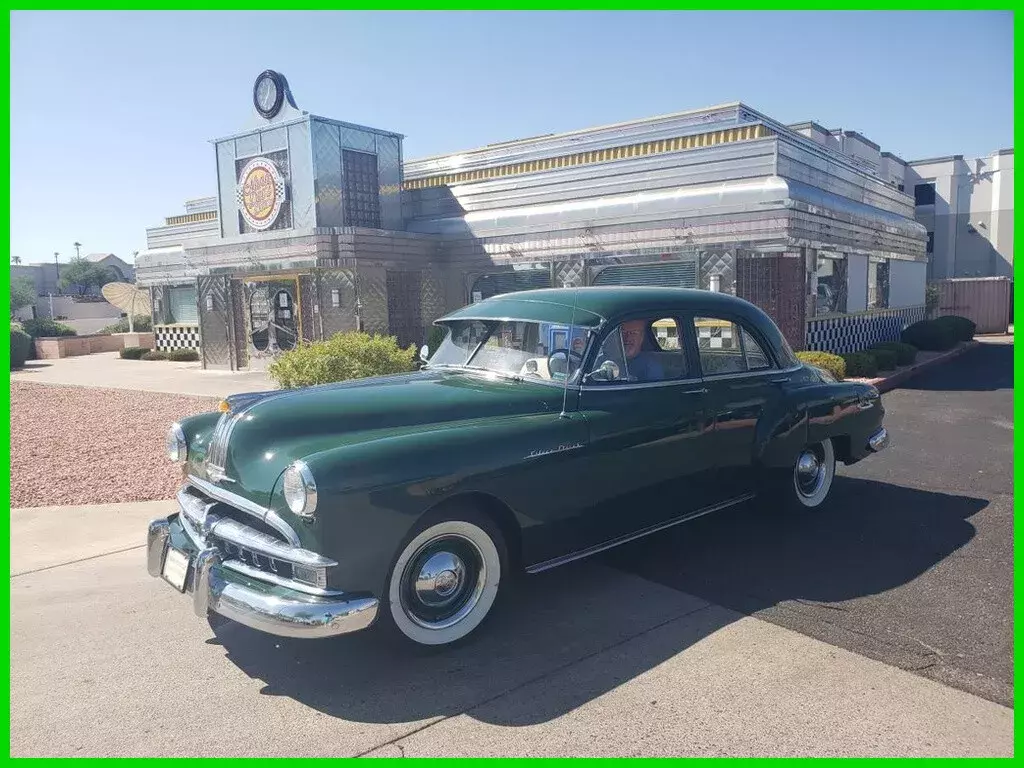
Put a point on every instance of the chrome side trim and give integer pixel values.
(563, 559)
(273, 578)
(156, 546)
(269, 516)
(591, 387)
(744, 374)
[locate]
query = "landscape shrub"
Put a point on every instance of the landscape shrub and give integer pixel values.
(133, 353)
(21, 346)
(43, 326)
(143, 324)
(860, 365)
(930, 335)
(344, 356)
(184, 355)
(154, 354)
(962, 327)
(905, 353)
(885, 359)
(834, 364)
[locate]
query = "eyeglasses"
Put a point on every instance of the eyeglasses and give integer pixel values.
(630, 334)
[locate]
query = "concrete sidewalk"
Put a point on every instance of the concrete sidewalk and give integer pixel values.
(584, 660)
(107, 369)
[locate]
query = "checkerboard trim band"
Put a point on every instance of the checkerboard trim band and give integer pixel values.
(851, 333)
(176, 336)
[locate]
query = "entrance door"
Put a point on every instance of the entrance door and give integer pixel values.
(272, 319)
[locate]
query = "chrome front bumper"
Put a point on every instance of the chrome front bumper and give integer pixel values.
(879, 441)
(272, 610)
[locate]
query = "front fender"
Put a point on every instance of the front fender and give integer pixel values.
(371, 494)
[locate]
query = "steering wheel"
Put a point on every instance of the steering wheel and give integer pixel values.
(569, 355)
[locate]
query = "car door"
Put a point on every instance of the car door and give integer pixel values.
(647, 461)
(743, 382)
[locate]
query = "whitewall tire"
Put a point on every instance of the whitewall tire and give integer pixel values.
(813, 472)
(446, 579)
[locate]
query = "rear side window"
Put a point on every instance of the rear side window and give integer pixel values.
(726, 347)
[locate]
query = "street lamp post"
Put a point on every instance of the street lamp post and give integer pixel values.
(56, 268)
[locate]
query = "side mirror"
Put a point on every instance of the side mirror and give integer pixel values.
(424, 353)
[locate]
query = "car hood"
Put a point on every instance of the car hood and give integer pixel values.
(270, 430)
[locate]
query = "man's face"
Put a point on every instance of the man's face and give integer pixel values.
(632, 337)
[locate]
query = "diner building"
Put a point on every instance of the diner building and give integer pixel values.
(321, 225)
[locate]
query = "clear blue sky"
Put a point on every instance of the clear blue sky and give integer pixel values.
(112, 113)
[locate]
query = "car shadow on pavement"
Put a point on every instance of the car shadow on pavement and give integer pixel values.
(875, 538)
(986, 368)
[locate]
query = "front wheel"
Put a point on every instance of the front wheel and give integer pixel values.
(446, 579)
(807, 484)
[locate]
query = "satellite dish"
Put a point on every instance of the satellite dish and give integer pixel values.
(128, 298)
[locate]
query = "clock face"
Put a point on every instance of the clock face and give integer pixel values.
(266, 94)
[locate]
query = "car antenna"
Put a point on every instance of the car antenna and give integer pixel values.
(568, 353)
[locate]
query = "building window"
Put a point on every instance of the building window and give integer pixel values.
(878, 283)
(924, 194)
(362, 189)
(830, 291)
(183, 305)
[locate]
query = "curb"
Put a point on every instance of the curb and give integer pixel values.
(884, 384)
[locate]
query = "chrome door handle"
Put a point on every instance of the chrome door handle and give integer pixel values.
(701, 391)
(780, 380)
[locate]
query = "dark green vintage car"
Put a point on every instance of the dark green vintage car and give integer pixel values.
(548, 425)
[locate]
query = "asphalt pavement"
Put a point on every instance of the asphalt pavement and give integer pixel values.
(913, 562)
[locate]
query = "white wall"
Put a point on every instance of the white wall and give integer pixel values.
(856, 282)
(77, 310)
(906, 283)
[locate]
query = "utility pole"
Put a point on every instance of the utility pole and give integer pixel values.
(56, 267)
(77, 245)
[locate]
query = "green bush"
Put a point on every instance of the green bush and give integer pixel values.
(834, 364)
(860, 365)
(905, 353)
(184, 355)
(930, 335)
(154, 354)
(143, 324)
(885, 359)
(344, 356)
(44, 326)
(133, 353)
(21, 346)
(960, 326)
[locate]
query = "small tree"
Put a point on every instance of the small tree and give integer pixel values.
(84, 273)
(23, 294)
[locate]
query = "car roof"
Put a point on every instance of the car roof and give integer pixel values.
(591, 306)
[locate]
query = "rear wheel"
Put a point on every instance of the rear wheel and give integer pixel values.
(806, 485)
(446, 579)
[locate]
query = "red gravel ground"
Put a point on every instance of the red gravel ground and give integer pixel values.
(79, 445)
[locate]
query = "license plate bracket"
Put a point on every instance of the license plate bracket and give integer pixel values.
(175, 571)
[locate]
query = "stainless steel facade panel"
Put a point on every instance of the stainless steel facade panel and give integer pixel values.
(215, 318)
(336, 319)
(372, 298)
(247, 146)
(817, 200)
(300, 156)
(327, 180)
(721, 163)
(389, 174)
(602, 137)
(274, 140)
(361, 141)
(226, 183)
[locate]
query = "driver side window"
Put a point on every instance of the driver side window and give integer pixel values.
(640, 351)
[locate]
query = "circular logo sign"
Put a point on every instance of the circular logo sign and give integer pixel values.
(260, 193)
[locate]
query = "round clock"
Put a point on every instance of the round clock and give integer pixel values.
(268, 94)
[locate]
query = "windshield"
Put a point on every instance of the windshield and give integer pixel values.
(513, 347)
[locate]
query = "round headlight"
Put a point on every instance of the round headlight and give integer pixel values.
(300, 489)
(177, 448)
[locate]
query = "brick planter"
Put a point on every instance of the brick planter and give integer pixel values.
(55, 347)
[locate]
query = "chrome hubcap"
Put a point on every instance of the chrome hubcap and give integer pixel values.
(443, 582)
(439, 578)
(810, 472)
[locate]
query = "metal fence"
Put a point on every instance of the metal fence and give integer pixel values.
(985, 300)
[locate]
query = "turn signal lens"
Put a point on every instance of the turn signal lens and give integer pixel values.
(224, 406)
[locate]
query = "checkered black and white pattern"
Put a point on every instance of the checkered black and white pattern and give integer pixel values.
(176, 336)
(715, 337)
(851, 333)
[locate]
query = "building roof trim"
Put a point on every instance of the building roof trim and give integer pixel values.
(946, 159)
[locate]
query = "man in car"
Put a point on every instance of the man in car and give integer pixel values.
(640, 365)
